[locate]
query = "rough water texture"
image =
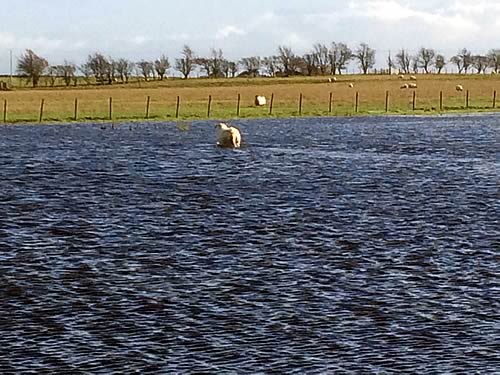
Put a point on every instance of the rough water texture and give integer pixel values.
(363, 245)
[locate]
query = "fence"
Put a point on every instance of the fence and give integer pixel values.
(189, 109)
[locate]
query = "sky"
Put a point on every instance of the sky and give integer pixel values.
(145, 29)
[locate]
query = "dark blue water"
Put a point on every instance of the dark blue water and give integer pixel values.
(362, 245)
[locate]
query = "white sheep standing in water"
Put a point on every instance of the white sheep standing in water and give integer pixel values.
(228, 136)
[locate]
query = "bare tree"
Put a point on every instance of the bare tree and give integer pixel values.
(271, 65)
(217, 63)
(403, 60)
(67, 72)
(365, 56)
(124, 69)
(458, 62)
(186, 63)
(480, 63)
(494, 59)
(463, 60)
(339, 56)
(32, 66)
(161, 66)
(345, 55)
(146, 69)
(286, 59)
(390, 63)
(101, 67)
(251, 65)
(204, 64)
(439, 63)
(86, 71)
(52, 72)
(414, 64)
(213, 66)
(321, 55)
(426, 58)
(310, 62)
(232, 67)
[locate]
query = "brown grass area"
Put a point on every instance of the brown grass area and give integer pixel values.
(129, 101)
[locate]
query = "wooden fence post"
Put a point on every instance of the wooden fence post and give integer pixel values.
(494, 99)
(300, 104)
(238, 106)
(414, 101)
(209, 104)
(441, 101)
(467, 99)
(41, 110)
(271, 104)
(76, 109)
(330, 103)
(387, 101)
(110, 108)
(5, 110)
(356, 105)
(147, 106)
(177, 106)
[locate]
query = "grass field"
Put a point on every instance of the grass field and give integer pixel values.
(129, 102)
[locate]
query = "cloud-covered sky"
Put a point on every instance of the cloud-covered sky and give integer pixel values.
(144, 29)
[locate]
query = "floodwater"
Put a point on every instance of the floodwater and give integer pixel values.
(333, 245)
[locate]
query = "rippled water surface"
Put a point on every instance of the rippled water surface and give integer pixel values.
(362, 245)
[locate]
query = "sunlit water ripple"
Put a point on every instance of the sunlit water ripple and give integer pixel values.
(362, 245)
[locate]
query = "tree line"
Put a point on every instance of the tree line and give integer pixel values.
(320, 60)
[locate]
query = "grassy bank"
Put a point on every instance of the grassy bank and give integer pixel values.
(130, 101)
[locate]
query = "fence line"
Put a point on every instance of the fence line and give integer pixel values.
(147, 106)
(76, 109)
(395, 103)
(41, 110)
(238, 106)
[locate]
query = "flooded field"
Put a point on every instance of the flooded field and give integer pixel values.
(332, 245)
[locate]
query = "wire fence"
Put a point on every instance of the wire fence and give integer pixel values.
(110, 109)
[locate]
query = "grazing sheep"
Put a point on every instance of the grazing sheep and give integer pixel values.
(401, 76)
(228, 136)
(459, 88)
(260, 100)
(412, 86)
(405, 86)
(332, 79)
(351, 85)
(413, 78)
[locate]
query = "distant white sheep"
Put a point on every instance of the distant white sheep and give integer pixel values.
(412, 86)
(413, 78)
(332, 79)
(401, 76)
(405, 86)
(351, 85)
(228, 136)
(260, 100)
(459, 88)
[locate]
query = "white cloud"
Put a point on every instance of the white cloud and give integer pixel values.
(296, 41)
(139, 39)
(42, 43)
(7, 40)
(228, 31)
